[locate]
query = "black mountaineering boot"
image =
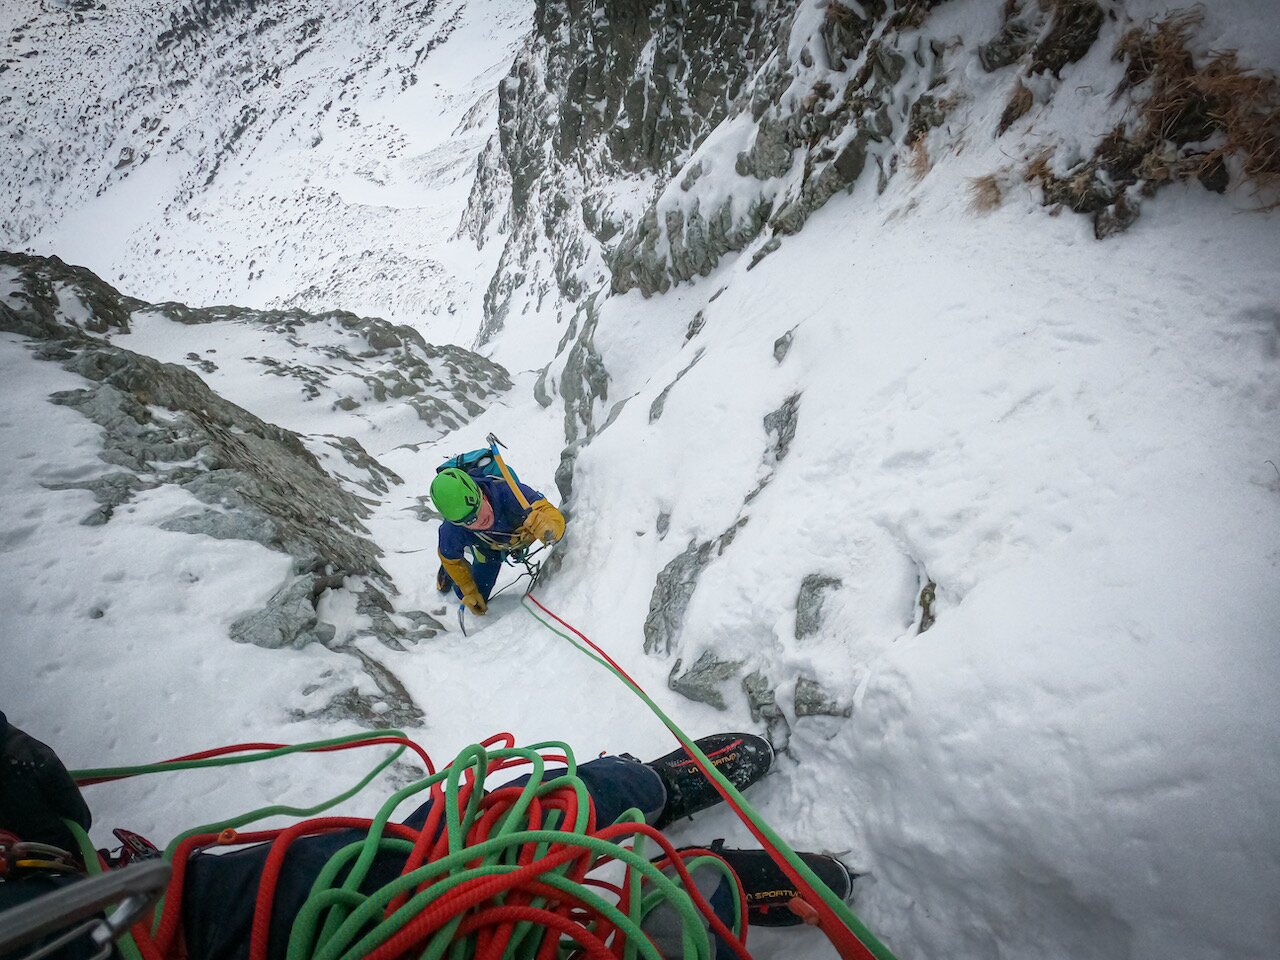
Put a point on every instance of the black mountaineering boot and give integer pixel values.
(767, 889)
(743, 758)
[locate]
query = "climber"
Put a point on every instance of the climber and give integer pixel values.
(36, 791)
(219, 900)
(484, 513)
(222, 897)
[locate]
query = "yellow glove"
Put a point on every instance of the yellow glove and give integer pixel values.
(544, 523)
(460, 572)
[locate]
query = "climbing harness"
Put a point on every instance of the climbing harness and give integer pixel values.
(72, 911)
(492, 873)
(818, 905)
(533, 570)
(524, 557)
(20, 856)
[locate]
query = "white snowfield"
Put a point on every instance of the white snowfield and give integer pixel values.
(1076, 441)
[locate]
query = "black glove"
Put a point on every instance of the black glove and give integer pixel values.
(36, 791)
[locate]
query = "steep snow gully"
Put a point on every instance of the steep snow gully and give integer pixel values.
(909, 373)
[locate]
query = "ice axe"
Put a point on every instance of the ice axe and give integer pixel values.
(494, 444)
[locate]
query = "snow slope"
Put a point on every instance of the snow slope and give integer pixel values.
(301, 155)
(1077, 757)
(1074, 441)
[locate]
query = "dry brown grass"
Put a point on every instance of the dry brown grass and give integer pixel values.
(918, 161)
(1038, 170)
(985, 193)
(1249, 113)
(1192, 102)
(1159, 47)
(1017, 107)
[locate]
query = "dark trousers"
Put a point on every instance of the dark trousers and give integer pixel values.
(218, 897)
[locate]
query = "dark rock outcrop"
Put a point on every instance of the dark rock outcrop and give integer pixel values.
(162, 425)
(763, 701)
(819, 122)
(604, 90)
(812, 700)
(813, 590)
(702, 681)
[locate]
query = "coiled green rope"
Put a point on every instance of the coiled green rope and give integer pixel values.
(475, 846)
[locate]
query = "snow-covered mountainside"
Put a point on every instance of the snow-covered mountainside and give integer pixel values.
(282, 154)
(908, 372)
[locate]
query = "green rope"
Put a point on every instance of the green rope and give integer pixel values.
(454, 865)
(838, 906)
(120, 773)
(262, 812)
(353, 924)
(339, 921)
(253, 815)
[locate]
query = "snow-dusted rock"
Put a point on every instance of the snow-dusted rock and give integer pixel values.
(256, 481)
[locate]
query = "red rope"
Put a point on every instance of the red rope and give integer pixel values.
(595, 947)
(676, 859)
(418, 856)
(492, 906)
(261, 931)
(372, 741)
(462, 898)
(842, 938)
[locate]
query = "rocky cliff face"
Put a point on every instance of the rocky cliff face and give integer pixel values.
(641, 143)
(604, 105)
(644, 145)
(832, 97)
(249, 479)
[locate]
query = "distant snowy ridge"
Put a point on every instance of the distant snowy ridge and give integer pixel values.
(286, 154)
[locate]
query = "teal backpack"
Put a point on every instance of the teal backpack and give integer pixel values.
(478, 463)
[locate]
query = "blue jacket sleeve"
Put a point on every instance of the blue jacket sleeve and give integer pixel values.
(452, 541)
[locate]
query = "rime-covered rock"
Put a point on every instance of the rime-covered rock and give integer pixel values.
(763, 701)
(605, 90)
(812, 700)
(813, 591)
(702, 681)
(248, 479)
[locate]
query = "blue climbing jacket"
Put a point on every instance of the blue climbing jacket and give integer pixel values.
(507, 517)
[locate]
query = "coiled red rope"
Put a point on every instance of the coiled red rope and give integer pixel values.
(488, 907)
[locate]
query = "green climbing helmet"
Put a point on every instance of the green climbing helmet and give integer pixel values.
(455, 495)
